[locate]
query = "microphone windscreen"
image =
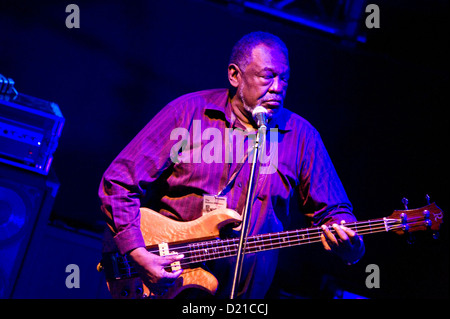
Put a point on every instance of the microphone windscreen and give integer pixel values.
(260, 116)
(259, 109)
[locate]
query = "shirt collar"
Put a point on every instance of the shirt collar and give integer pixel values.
(282, 120)
(223, 104)
(219, 103)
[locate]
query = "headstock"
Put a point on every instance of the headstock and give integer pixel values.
(429, 217)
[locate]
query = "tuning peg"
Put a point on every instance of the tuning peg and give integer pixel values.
(405, 202)
(427, 197)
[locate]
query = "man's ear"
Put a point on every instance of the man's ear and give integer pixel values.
(234, 75)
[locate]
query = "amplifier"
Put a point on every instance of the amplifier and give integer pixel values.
(29, 131)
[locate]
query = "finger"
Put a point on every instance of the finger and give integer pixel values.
(168, 259)
(341, 232)
(354, 237)
(171, 276)
(168, 279)
(350, 233)
(329, 235)
(324, 242)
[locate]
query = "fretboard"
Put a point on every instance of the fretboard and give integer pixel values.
(222, 248)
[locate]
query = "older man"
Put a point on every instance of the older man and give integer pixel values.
(174, 176)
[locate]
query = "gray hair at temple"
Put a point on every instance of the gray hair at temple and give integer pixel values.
(241, 52)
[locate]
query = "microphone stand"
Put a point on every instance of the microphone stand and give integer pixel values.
(247, 213)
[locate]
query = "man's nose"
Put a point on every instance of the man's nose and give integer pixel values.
(278, 86)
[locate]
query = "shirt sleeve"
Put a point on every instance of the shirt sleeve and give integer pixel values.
(321, 191)
(122, 186)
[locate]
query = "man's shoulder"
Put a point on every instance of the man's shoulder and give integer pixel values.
(216, 97)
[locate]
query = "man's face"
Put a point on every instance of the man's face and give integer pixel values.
(265, 79)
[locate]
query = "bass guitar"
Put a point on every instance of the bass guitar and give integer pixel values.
(199, 241)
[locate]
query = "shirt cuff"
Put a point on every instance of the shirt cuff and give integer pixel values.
(129, 239)
(340, 216)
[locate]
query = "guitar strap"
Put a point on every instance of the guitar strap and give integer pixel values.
(236, 171)
(233, 177)
(240, 164)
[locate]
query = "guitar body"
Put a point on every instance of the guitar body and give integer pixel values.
(157, 229)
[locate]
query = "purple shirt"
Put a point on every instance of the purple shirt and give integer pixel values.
(157, 170)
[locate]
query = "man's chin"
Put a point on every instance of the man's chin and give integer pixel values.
(273, 111)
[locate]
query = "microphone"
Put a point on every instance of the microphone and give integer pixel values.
(260, 114)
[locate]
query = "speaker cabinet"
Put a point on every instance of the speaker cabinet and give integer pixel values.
(26, 199)
(61, 263)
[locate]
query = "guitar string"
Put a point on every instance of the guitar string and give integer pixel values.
(359, 226)
(285, 234)
(261, 245)
(306, 231)
(203, 247)
(262, 239)
(314, 235)
(266, 237)
(130, 271)
(372, 225)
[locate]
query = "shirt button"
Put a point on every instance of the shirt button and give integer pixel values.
(240, 184)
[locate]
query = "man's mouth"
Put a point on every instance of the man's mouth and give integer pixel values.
(273, 103)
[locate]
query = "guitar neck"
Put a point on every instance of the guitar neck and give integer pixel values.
(221, 248)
